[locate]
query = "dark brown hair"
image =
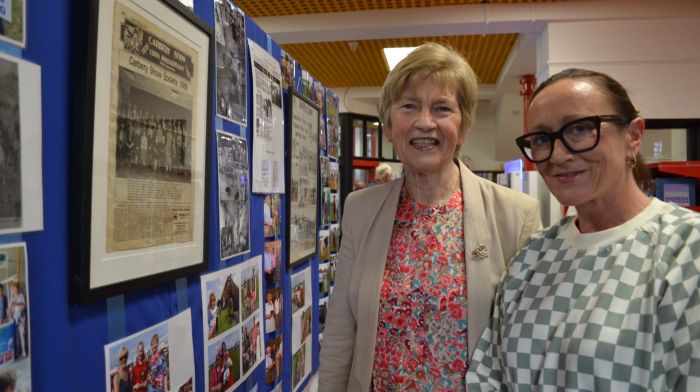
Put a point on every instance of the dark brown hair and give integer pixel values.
(621, 103)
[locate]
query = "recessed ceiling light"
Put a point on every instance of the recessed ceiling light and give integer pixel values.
(394, 55)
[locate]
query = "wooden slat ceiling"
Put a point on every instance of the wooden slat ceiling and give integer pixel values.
(336, 66)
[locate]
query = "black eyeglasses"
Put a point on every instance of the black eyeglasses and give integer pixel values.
(579, 135)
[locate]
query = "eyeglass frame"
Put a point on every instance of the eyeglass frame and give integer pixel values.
(559, 134)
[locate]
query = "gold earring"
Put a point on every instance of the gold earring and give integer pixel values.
(632, 162)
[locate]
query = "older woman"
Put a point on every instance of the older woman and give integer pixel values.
(608, 299)
(421, 252)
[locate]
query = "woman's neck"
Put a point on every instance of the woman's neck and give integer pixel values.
(606, 214)
(432, 188)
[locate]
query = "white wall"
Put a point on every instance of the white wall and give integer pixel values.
(479, 145)
(658, 61)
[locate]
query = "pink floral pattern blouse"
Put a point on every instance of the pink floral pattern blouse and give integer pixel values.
(422, 329)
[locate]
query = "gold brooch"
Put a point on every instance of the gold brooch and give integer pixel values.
(480, 251)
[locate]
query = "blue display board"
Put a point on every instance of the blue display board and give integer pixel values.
(67, 340)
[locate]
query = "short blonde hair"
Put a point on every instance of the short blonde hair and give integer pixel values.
(449, 69)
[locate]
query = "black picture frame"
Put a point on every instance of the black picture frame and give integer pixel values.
(140, 210)
(302, 178)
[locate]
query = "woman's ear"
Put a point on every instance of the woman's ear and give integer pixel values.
(635, 132)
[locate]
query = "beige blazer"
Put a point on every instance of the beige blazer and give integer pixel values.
(494, 215)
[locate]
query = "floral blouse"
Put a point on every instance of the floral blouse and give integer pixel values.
(422, 328)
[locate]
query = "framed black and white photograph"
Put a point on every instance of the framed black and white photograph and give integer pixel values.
(231, 71)
(234, 197)
(303, 178)
(21, 198)
(12, 22)
(142, 210)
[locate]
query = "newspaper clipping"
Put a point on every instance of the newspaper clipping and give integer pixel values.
(268, 140)
(304, 178)
(151, 197)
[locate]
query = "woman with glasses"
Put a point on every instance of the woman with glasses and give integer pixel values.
(608, 299)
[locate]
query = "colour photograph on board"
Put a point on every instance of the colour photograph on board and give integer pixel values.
(158, 358)
(272, 220)
(15, 358)
(12, 22)
(233, 324)
(272, 259)
(302, 314)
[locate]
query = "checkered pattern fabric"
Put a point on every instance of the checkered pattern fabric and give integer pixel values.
(621, 313)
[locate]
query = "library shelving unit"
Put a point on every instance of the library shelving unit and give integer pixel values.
(678, 169)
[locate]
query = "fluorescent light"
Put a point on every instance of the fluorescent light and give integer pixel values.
(394, 55)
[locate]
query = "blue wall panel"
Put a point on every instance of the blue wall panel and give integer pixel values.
(67, 340)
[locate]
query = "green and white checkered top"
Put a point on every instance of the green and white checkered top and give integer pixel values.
(616, 310)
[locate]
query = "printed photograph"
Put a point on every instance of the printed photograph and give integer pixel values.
(273, 309)
(335, 207)
(324, 246)
(334, 238)
(223, 306)
(272, 262)
(231, 74)
(250, 291)
(10, 147)
(271, 215)
(252, 342)
(299, 366)
(298, 294)
(142, 362)
(273, 360)
(322, 311)
(14, 316)
(12, 27)
(287, 64)
(323, 282)
(224, 362)
(325, 172)
(325, 206)
(234, 200)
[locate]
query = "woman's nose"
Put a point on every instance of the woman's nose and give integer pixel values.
(560, 153)
(425, 120)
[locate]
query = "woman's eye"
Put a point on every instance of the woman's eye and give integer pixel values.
(579, 129)
(539, 140)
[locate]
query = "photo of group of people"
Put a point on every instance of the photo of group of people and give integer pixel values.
(142, 371)
(14, 316)
(224, 362)
(273, 309)
(302, 314)
(271, 215)
(233, 323)
(324, 246)
(250, 290)
(152, 142)
(223, 308)
(156, 359)
(231, 71)
(252, 341)
(273, 360)
(332, 124)
(272, 259)
(287, 65)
